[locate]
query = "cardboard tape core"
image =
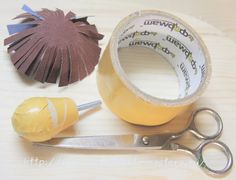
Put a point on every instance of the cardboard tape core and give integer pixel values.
(173, 39)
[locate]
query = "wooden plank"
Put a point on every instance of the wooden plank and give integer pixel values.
(21, 160)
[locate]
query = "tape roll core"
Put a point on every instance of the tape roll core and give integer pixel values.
(170, 37)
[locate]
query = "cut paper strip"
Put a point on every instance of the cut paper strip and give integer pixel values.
(28, 10)
(58, 47)
(15, 28)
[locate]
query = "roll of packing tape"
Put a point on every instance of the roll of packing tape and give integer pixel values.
(178, 43)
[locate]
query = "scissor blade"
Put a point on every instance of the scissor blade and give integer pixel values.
(112, 142)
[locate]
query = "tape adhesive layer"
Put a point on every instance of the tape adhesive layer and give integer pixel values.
(178, 43)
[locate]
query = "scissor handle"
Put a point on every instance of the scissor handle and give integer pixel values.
(193, 128)
(225, 149)
(198, 153)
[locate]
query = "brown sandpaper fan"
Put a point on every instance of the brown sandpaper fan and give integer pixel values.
(55, 46)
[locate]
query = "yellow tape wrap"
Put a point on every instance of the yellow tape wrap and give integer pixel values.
(41, 118)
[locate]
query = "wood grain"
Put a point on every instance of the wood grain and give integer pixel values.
(21, 160)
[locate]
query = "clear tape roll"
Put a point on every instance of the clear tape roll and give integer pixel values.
(178, 43)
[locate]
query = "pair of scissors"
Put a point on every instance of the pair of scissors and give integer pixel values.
(154, 142)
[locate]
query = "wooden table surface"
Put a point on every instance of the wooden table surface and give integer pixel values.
(214, 20)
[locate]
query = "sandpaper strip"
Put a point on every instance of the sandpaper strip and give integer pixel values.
(17, 37)
(74, 70)
(82, 54)
(59, 13)
(25, 49)
(82, 67)
(65, 69)
(22, 60)
(52, 78)
(89, 31)
(14, 46)
(70, 15)
(25, 16)
(32, 57)
(49, 62)
(41, 68)
(80, 19)
(90, 59)
(34, 65)
(16, 28)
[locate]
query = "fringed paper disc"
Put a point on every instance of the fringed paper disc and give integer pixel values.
(53, 45)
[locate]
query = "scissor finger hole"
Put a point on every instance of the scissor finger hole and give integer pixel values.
(215, 158)
(207, 122)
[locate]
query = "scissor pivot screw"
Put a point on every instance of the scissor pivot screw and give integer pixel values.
(145, 140)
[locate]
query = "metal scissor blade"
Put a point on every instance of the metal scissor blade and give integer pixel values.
(93, 142)
(106, 142)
